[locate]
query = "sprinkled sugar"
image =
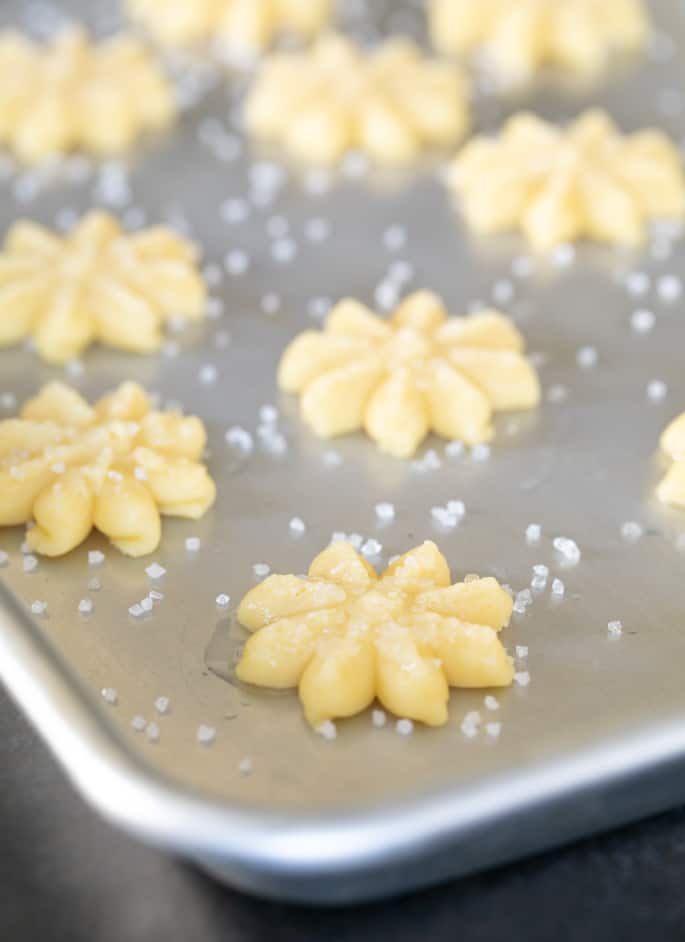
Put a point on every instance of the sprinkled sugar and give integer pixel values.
(615, 629)
(39, 608)
(669, 288)
(371, 548)
(332, 459)
(493, 729)
(138, 723)
(522, 678)
(631, 531)
(162, 705)
(637, 283)
(454, 449)
(587, 358)
(239, 438)
(261, 570)
(470, 724)
(297, 526)
(223, 600)
(642, 321)
(95, 558)
(245, 766)
(109, 695)
(192, 544)
(205, 735)
(656, 390)
(327, 730)
(558, 588)
(385, 512)
(155, 571)
(379, 718)
(533, 533)
(568, 550)
(404, 727)
(85, 606)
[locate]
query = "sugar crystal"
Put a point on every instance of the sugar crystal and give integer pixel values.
(327, 730)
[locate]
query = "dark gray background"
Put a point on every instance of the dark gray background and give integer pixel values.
(67, 877)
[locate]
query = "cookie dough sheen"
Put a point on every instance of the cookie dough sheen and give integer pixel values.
(67, 467)
(247, 25)
(671, 490)
(74, 93)
(345, 637)
(560, 184)
(392, 102)
(97, 283)
(400, 379)
(521, 38)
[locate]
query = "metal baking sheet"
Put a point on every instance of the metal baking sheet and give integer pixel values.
(597, 738)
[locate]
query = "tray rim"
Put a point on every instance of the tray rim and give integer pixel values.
(334, 858)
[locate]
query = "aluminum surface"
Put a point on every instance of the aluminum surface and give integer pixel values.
(597, 738)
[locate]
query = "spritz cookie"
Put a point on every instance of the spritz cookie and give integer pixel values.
(75, 93)
(400, 379)
(245, 25)
(67, 467)
(391, 102)
(672, 489)
(97, 283)
(519, 39)
(559, 184)
(344, 637)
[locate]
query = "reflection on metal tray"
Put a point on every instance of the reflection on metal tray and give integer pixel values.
(598, 737)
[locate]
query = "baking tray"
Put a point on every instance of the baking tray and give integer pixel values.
(598, 736)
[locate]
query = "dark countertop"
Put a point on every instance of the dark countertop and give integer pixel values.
(65, 876)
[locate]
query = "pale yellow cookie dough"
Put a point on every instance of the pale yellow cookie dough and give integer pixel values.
(97, 283)
(246, 25)
(587, 180)
(77, 94)
(400, 379)
(391, 103)
(116, 466)
(345, 637)
(520, 38)
(672, 488)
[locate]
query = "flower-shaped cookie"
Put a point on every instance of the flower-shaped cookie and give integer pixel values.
(345, 637)
(74, 93)
(403, 378)
(672, 488)
(115, 466)
(245, 25)
(95, 284)
(561, 184)
(391, 102)
(519, 39)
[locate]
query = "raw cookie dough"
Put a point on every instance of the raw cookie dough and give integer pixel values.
(73, 93)
(419, 372)
(97, 283)
(587, 180)
(520, 38)
(246, 25)
(672, 488)
(345, 637)
(391, 103)
(115, 466)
